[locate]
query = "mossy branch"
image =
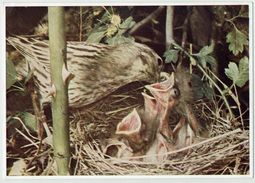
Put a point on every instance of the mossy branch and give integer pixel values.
(59, 86)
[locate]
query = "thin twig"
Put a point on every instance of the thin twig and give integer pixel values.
(184, 31)
(81, 24)
(24, 126)
(239, 107)
(145, 21)
(122, 109)
(26, 138)
(147, 40)
(224, 150)
(195, 145)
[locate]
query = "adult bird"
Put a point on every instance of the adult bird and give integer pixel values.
(98, 69)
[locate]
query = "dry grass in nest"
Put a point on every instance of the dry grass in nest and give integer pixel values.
(226, 151)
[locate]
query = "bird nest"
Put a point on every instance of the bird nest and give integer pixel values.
(225, 151)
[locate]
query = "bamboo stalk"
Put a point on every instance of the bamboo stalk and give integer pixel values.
(57, 42)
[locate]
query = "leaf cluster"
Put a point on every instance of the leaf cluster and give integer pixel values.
(111, 29)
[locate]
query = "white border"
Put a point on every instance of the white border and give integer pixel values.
(251, 84)
(160, 178)
(121, 2)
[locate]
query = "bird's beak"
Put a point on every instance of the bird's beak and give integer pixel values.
(158, 151)
(162, 91)
(130, 126)
(150, 104)
(117, 148)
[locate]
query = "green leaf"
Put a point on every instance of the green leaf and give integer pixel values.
(232, 71)
(204, 56)
(171, 56)
(118, 39)
(111, 30)
(203, 60)
(244, 72)
(237, 40)
(208, 91)
(200, 88)
(239, 75)
(97, 35)
(11, 77)
(211, 60)
(206, 50)
(125, 25)
(29, 120)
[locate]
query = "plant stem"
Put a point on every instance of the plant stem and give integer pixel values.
(57, 43)
(219, 90)
(226, 87)
(239, 106)
(81, 24)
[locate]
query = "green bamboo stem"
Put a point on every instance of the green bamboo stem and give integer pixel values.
(57, 43)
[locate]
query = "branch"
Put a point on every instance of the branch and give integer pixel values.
(169, 25)
(145, 40)
(145, 21)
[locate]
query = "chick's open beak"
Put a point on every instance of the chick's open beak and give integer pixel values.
(130, 126)
(150, 104)
(164, 91)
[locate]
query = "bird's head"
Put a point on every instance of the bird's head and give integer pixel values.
(166, 93)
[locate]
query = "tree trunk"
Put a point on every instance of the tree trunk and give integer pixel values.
(57, 43)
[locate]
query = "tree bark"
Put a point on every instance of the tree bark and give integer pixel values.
(57, 43)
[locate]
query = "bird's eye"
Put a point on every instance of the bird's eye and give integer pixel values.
(163, 76)
(160, 62)
(175, 92)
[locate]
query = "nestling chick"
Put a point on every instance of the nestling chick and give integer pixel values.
(140, 126)
(189, 90)
(167, 95)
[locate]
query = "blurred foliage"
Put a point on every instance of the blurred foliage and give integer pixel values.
(201, 88)
(11, 76)
(231, 30)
